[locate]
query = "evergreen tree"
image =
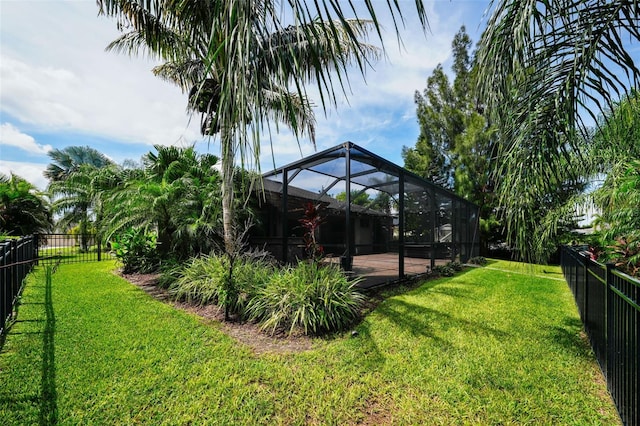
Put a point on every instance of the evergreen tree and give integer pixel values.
(456, 144)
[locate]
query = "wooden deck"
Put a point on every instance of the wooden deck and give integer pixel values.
(381, 269)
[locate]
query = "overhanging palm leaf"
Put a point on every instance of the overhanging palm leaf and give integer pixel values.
(544, 68)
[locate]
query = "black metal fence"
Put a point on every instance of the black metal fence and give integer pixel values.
(17, 258)
(68, 248)
(609, 305)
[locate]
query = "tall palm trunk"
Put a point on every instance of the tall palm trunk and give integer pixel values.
(231, 250)
(227, 160)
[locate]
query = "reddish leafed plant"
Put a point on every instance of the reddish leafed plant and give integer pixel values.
(311, 221)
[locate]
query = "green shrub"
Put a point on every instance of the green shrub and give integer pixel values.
(478, 260)
(136, 250)
(202, 281)
(199, 282)
(170, 271)
(312, 297)
(443, 270)
(456, 266)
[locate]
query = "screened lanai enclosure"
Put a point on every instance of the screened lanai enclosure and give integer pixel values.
(378, 220)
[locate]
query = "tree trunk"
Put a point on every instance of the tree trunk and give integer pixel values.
(227, 189)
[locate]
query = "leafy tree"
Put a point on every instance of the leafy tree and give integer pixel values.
(23, 209)
(429, 157)
(544, 67)
(455, 141)
(616, 139)
(239, 59)
(357, 197)
(615, 153)
(456, 144)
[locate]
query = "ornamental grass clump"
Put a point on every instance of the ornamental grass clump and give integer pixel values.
(309, 297)
(202, 282)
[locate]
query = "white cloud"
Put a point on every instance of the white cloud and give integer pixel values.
(56, 76)
(32, 172)
(37, 94)
(11, 136)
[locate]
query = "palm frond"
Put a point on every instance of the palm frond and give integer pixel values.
(546, 69)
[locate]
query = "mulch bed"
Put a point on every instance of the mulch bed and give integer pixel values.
(244, 332)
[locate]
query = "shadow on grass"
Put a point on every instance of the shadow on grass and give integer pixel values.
(418, 284)
(48, 393)
(17, 401)
(422, 321)
(571, 337)
(455, 290)
(368, 347)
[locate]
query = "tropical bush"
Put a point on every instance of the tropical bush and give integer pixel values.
(311, 297)
(177, 192)
(205, 280)
(624, 252)
(449, 269)
(443, 270)
(23, 209)
(170, 272)
(456, 266)
(478, 260)
(136, 250)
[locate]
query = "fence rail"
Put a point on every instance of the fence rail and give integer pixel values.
(17, 258)
(68, 248)
(609, 305)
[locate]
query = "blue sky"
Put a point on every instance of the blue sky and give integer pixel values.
(58, 87)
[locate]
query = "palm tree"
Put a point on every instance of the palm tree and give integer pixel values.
(67, 160)
(23, 209)
(177, 194)
(544, 68)
(75, 201)
(238, 60)
(70, 174)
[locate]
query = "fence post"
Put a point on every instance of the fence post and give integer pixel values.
(609, 318)
(636, 403)
(13, 270)
(36, 247)
(99, 238)
(3, 286)
(585, 287)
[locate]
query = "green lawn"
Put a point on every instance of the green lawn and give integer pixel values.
(484, 347)
(68, 254)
